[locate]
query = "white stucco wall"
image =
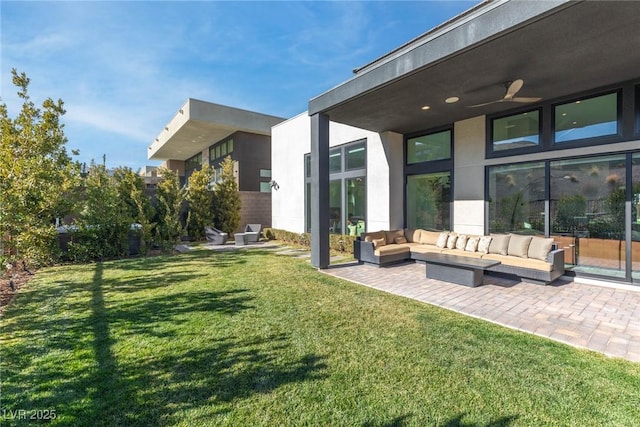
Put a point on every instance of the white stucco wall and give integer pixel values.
(291, 140)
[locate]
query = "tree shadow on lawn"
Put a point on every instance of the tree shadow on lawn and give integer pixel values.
(72, 367)
(500, 422)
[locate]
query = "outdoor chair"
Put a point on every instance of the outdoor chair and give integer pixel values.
(252, 232)
(215, 236)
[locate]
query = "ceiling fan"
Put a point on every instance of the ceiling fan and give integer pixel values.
(512, 89)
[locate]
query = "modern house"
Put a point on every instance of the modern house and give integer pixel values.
(513, 117)
(206, 133)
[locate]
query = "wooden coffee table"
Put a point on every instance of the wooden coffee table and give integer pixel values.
(462, 270)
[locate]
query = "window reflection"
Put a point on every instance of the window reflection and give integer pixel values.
(587, 118)
(428, 201)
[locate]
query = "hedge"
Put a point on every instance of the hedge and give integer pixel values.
(337, 242)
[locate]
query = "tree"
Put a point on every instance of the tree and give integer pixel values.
(37, 177)
(200, 198)
(169, 196)
(226, 199)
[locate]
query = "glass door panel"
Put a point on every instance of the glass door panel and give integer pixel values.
(429, 201)
(587, 203)
(635, 217)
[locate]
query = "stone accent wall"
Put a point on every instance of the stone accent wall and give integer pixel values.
(256, 209)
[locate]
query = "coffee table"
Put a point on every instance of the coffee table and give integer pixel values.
(457, 269)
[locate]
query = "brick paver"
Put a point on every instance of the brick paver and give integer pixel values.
(597, 318)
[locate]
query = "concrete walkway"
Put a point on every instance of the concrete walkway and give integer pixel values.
(599, 318)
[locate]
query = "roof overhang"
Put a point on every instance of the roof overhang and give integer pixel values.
(557, 47)
(198, 125)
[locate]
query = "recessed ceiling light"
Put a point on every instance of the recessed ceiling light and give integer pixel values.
(425, 107)
(452, 100)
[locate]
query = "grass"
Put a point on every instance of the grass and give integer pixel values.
(252, 338)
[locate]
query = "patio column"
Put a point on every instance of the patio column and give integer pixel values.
(320, 190)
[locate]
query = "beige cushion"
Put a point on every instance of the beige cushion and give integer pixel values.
(515, 261)
(539, 248)
(368, 237)
(400, 239)
(412, 235)
(519, 245)
(499, 244)
(472, 244)
(423, 249)
(442, 240)
(429, 237)
(451, 241)
(392, 234)
(461, 242)
(483, 244)
(378, 242)
(464, 253)
(391, 250)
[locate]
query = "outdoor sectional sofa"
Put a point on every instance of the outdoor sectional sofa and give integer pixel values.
(528, 257)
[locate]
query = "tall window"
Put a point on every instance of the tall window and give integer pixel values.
(347, 189)
(220, 150)
(429, 201)
(635, 216)
(192, 164)
(586, 118)
(587, 203)
(517, 198)
(430, 147)
(516, 131)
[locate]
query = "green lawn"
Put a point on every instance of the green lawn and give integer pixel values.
(253, 338)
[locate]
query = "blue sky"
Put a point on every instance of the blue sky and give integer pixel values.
(124, 68)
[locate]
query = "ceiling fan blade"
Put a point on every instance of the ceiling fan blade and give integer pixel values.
(513, 88)
(525, 99)
(485, 103)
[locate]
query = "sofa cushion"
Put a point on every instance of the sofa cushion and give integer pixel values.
(412, 235)
(378, 243)
(392, 234)
(472, 244)
(442, 240)
(519, 245)
(461, 241)
(464, 253)
(451, 241)
(539, 248)
(514, 261)
(392, 250)
(499, 244)
(429, 237)
(368, 237)
(483, 244)
(400, 240)
(423, 249)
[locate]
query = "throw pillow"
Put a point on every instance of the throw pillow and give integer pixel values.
(499, 244)
(442, 240)
(483, 244)
(400, 239)
(368, 239)
(519, 245)
(461, 243)
(451, 241)
(472, 244)
(378, 242)
(392, 234)
(539, 248)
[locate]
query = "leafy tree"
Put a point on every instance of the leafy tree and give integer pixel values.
(169, 198)
(37, 177)
(200, 198)
(136, 205)
(226, 199)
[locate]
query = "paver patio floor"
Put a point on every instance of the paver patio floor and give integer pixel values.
(598, 318)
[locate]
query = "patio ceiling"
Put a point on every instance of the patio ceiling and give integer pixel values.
(558, 48)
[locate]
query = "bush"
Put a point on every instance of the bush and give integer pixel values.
(337, 242)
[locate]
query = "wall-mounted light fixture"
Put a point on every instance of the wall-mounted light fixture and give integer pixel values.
(274, 184)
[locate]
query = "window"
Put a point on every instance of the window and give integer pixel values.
(265, 173)
(425, 148)
(516, 131)
(265, 187)
(335, 160)
(193, 162)
(347, 189)
(221, 149)
(429, 201)
(635, 216)
(355, 156)
(586, 118)
(517, 198)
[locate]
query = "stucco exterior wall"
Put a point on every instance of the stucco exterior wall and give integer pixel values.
(468, 175)
(291, 140)
(255, 209)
